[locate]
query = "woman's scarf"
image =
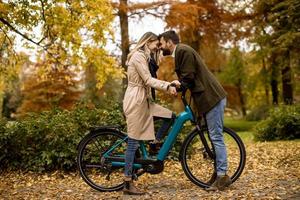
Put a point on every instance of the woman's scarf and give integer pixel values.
(153, 67)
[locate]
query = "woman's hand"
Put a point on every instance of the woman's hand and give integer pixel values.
(176, 82)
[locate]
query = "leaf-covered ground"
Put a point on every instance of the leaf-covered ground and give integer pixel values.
(272, 172)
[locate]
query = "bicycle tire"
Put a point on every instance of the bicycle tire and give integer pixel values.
(89, 157)
(205, 176)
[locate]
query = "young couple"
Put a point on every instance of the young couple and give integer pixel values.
(139, 109)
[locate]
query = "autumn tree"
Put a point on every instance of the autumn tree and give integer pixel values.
(11, 63)
(205, 25)
(278, 35)
(47, 85)
(72, 33)
(235, 74)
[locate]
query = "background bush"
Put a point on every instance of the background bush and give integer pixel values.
(259, 113)
(239, 124)
(48, 141)
(4, 138)
(282, 124)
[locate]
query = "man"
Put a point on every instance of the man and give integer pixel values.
(208, 95)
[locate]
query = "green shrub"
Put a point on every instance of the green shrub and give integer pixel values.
(4, 138)
(48, 141)
(282, 124)
(239, 124)
(258, 113)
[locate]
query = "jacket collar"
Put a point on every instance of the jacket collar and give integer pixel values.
(176, 57)
(173, 53)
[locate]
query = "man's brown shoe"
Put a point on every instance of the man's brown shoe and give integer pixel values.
(220, 183)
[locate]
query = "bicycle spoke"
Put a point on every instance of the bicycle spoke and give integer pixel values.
(93, 166)
(98, 173)
(99, 143)
(200, 168)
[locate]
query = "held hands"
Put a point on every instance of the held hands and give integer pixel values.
(176, 82)
(172, 90)
(172, 87)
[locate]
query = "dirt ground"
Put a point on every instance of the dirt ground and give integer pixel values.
(272, 172)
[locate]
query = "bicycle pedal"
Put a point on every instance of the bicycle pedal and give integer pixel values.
(134, 177)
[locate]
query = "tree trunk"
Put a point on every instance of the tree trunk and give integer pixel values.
(124, 36)
(286, 74)
(274, 79)
(195, 43)
(265, 74)
(90, 84)
(274, 86)
(1, 103)
(242, 99)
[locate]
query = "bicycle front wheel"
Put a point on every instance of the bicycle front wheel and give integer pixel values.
(97, 173)
(199, 167)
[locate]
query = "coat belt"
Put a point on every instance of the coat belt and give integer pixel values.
(135, 84)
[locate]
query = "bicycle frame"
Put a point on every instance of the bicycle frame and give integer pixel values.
(184, 116)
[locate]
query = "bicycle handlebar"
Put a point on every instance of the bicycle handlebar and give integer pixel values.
(183, 90)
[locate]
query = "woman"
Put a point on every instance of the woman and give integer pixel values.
(138, 108)
(167, 122)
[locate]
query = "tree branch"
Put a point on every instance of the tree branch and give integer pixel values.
(18, 32)
(45, 48)
(6, 36)
(44, 18)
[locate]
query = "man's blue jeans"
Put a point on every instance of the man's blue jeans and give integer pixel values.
(214, 119)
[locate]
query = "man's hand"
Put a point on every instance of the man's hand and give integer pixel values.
(176, 82)
(172, 91)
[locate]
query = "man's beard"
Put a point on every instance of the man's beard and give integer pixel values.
(166, 52)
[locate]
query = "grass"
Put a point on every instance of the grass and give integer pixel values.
(246, 136)
(243, 128)
(239, 125)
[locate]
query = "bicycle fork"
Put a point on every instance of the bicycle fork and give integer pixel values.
(206, 148)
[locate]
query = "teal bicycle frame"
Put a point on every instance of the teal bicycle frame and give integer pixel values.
(186, 115)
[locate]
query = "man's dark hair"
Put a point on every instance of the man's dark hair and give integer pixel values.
(170, 35)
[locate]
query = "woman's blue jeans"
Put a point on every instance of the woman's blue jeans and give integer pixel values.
(167, 122)
(132, 146)
(214, 120)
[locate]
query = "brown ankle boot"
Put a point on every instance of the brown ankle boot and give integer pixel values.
(129, 187)
(220, 183)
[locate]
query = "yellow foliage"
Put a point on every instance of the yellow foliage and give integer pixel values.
(10, 64)
(105, 65)
(73, 33)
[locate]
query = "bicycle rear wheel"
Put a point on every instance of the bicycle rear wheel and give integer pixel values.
(199, 167)
(93, 168)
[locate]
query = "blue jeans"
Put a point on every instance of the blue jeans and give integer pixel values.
(132, 146)
(167, 122)
(214, 120)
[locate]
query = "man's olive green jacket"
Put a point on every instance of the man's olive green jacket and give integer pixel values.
(193, 73)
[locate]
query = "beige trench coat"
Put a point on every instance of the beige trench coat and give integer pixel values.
(137, 105)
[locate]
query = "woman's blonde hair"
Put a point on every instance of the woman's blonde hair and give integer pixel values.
(141, 45)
